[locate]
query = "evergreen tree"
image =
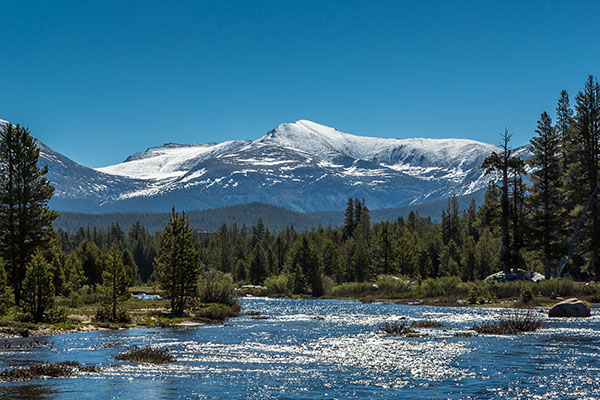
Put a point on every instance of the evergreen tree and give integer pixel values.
(92, 261)
(307, 259)
(546, 191)
(38, 290)
(130, 267)
(25, 218)
(451, 222)
(500, 162)
(221, 258)
(74, 275)
(115, 279)
(348, 227)
(178, 265)
(487, 255)
(331, 259)
(587, 131)
(258, 270)
(406, 253)
(5, 295)
(517, 211)
(384, 249)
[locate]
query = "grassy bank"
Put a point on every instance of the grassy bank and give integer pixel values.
(449, 291)
(81, 315)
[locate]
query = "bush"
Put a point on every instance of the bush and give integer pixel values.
(146, 355)
(392, 285)
(511, 325)
(560, 287)
(217, 312)
(53, 370)
(526, 293)
(216, 287)
(446, 286)
(57, 315)
(397, 329)
(104, 314)
(481, 293)
(506, 290)
(352, 289)
(89, 295)
(426, 324)
(278, 285)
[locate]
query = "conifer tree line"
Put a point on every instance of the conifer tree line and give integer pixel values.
(528, 218)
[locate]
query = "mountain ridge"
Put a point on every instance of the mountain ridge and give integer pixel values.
(303, 166)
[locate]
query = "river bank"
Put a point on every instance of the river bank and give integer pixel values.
(303, 349)
(151, 311)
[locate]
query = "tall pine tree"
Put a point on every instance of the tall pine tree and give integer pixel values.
(25, 218)
(546, 190)
(178, 265)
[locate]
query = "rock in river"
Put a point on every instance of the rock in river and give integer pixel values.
(570, 308)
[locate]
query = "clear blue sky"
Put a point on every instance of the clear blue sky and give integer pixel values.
(99, 80)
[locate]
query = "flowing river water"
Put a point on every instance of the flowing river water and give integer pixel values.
(326, 349)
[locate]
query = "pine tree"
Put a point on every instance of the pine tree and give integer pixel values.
(385, 249)
(221, 258)
(258, 271)
(517, 212)
(38, 290)
(130, 267)
(546, 190)
(406, 253)
(178, 265)
(583, 157)
(487, 255)
(451, 221)
(25, 218)
(5, 295)
(92, 261)
(500, 162)
(115, 279)
(307, 259)
(348, 227)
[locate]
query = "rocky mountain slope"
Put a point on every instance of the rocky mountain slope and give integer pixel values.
(303, 166)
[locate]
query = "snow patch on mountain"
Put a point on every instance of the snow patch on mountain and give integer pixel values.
(169, 161)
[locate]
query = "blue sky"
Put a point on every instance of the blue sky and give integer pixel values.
(99, 80)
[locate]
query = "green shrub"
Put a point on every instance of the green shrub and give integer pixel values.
(526, 293)
(506, 290)
(511, 324)
(352, 289)
(216, 287)
(44, 370)
(481, 293)
(446, 286)
(391, 285)
(397, 329)
(104, 314)
(146, 355)
(426, 324)
(560, 287)
(216, 312)
(278, 285)
(57, 315)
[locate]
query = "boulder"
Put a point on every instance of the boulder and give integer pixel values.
(570, 308)
(515, 275)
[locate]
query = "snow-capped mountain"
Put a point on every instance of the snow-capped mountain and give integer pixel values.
(304, 166)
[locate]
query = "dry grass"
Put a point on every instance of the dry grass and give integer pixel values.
(397, 329)
(511, 325)
(45, 370)
(146, 355)
(426, 324)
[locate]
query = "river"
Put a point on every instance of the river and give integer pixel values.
(326, 349)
